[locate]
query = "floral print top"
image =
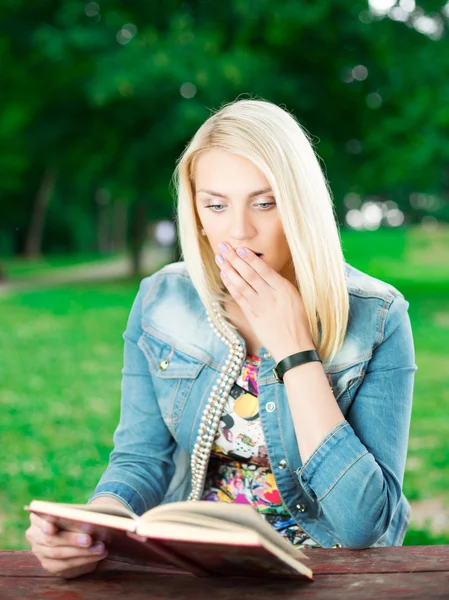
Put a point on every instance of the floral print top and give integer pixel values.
(239, 470)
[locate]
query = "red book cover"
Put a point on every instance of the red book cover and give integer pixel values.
(180, 540)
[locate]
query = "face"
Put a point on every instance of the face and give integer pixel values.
(236, 205)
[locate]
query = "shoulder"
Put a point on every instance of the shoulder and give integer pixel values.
(361, 285)
(375, 310)
(170, 304)
(172, 278)
(373, 303)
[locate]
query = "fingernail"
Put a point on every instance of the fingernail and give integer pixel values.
(223, 247)
(98, 548)
(242, 252)
(83, 539)
(219, 259)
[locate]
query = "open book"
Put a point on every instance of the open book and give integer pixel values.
(203, 538)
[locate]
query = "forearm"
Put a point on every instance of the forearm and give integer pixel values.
(357, 467)
(338, 471)
(314, 410)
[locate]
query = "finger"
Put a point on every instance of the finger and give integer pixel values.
(43, 524)
(241, 275)
(267, 273)
(62, 538)
(235, 293)
(70, 552)
(238, 287)
(244, 283)
(252, 268)
(63, 568)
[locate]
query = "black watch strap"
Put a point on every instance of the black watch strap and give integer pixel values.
(295, 360)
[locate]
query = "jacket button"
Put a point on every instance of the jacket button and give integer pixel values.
(301, 508)
(336, 546)
(270, 406)
(282, 464)
(267, 355)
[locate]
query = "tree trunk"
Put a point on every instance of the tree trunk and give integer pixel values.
(138, 234)
(119, 225)
(102, 198)
(33, 243)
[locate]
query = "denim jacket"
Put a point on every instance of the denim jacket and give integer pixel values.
(349, 491)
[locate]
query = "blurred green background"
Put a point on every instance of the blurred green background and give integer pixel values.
(99, 99)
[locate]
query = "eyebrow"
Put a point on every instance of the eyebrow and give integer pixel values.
(252, 195)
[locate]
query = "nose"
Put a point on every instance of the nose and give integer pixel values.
(241, 228)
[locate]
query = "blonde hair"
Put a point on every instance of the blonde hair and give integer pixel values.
(273, 140)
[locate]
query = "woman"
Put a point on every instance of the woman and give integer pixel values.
(262, 369)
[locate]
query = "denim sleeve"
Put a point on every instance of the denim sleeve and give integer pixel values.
(141, 464)
(356, 472)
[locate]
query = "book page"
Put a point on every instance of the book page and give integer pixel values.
(235, 515)
(106, 509)
(191, 532)
(200, 521)
(60, 513)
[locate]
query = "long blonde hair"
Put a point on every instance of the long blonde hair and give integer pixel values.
(274, 141)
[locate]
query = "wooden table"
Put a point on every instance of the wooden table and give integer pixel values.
(379, 573)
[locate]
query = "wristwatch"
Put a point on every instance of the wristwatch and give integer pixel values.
(294, 360)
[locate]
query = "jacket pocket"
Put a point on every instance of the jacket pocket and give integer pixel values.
(345, 383)
(173, 374)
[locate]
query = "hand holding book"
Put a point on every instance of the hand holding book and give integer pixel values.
(204, 538)
(65, 554)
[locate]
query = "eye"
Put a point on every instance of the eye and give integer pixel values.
(268, 205)
(261, 205)
(214, 206)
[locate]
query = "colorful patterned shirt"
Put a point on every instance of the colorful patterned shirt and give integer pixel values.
(239, 470)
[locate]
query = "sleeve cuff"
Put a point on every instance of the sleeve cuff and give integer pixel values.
(334, 456)
(124, 493)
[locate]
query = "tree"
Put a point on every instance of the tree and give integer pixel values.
(107, 95)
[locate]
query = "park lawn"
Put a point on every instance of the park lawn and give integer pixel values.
(59, 394)
(60, 381)
(18, 269)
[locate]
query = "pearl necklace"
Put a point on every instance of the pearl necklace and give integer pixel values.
(215, 404)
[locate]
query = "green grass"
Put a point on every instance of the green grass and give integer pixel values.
(417, 263)
(411, 258)
(20, 268)
(62, 357)
(60, 386)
